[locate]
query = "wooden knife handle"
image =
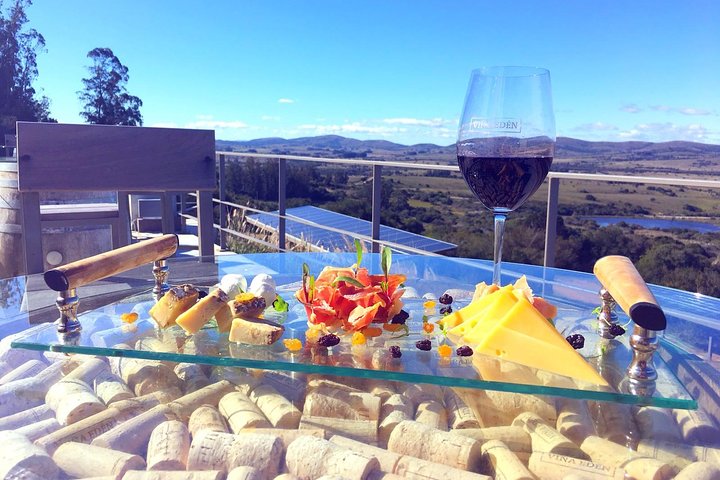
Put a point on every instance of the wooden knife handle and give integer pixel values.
(81, 272)
(620, 277)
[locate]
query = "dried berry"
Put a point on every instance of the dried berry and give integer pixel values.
(401, 317)
(464, 351)
(358, 339)
(576, 340)
(446, 310)
(395, 351)
(616, 330)
(292, 344)
(424, 344)
(328, 340)
(445, 299)
(202, 294)
(428, 327)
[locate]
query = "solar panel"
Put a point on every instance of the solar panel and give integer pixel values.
(333, 241)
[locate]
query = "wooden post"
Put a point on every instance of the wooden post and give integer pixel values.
(206, 228)
(551, 221)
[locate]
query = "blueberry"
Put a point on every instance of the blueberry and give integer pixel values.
(446, 310)
(464, 351)
(616, 330)
(576, 340)
(395, 351)
(424, 344)
(401, 317)
(328, 340)
(445, 299)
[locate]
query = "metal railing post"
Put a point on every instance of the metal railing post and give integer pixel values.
(376, 201)
(282, 185)
(551, 221)
(223, 207)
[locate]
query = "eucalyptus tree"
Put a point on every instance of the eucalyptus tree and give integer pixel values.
(105, 97)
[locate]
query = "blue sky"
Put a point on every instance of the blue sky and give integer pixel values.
(396, 70)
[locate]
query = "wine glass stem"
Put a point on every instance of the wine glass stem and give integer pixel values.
(497, 254)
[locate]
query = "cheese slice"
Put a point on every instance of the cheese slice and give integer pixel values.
(193, 319)
(524, 336)
(505, 300)
(462, 321)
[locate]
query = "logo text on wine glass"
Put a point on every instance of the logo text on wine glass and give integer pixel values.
(507, 125)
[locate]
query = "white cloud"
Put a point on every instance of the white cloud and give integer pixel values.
(691, 111)
(417, 122)
(286, 100)
(630, 108)
(164, 125)
(661, 132)
(595, 127)
(354, 127)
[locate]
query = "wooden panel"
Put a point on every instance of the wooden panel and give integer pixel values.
(32, 235)
(101, 157)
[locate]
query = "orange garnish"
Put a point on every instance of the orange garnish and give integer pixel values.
(429, 304)
(292, 344)
(129, 317)
(444, 350)
(393, 327)
(428, 327)
(358, 339)
(372, 332)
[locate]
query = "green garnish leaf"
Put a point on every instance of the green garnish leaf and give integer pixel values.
(597, 311)
(406, 332)
(349, 280)
(311, 288)
(358, 252)
(385, 261)
(280, 305)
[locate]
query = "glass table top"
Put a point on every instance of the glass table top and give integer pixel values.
(575, 294)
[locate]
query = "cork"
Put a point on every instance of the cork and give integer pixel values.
(31, 415)
(36, 430)
(286, 436)
(27, 393)
(132, 436)
(168, 446)
(515, 438)
(244, 473)
(334, 403)
(365, 431)
(699, 471)
(501, 462)
(278, 409)
(411, 467)
(146, 376)
(291, 385)
(88, 370)
(80, 460)
(241, 412)
(614, 422)
(657, 424)
(18, 455)
(610, 454)
(264, 452)
(697, 427)
(86, 430)
(394, 410)
(25, 370)
(192, 376)
(341, 383)
(110, 388)
(387, 460)
(208, 450)
(423, 393)
(171, 475)
(73, 400)
(243, 381)
(380, 388)
(546, 439)
(552, 466)
(310, 457)
(678, 455)
(418, 440)
(459, 414)
(286, 476)
(574, 420)
(495, 409)
(432, 414)
(378, 475)
(184, 406)
(207, 417)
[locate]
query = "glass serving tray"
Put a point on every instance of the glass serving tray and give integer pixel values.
(103, 331)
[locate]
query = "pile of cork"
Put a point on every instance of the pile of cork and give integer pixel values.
(124, 418)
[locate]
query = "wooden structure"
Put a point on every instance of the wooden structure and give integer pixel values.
(66, 157)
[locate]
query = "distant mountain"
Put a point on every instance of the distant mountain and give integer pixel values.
(565, 148)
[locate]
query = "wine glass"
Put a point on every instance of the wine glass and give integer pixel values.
(506, 140)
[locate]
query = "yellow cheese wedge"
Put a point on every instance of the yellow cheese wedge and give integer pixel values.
(537, 345)
(199, 314)
(462, 321)
(173, 303)
(505, 300)
(224, 318)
